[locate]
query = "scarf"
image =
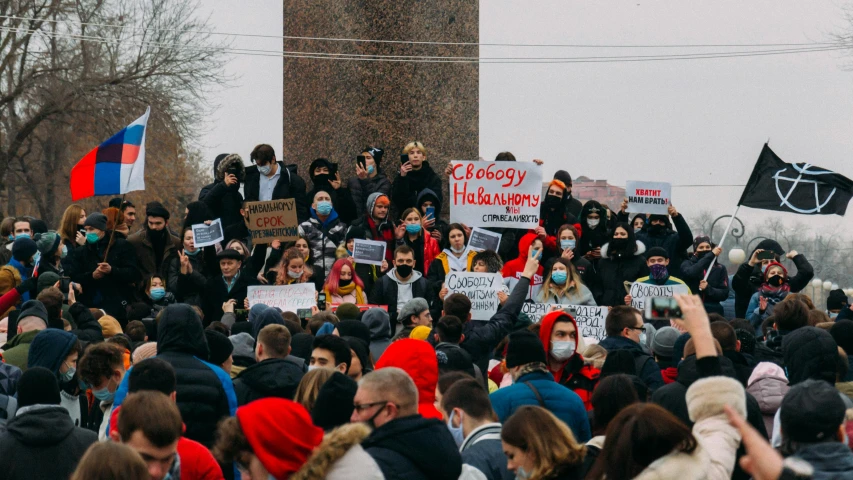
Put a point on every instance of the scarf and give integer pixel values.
(342, 291)
(530, 368)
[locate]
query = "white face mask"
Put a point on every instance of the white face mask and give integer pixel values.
(265, 170)
(592, 222)
(562, 350)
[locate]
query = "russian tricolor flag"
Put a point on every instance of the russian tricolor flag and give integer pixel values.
(114, 167)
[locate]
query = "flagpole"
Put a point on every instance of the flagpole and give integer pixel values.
(115, 224)
(725, 234)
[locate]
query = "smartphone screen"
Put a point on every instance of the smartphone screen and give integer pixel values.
(360, 161)
(662, 308)
(766, 255)
(404, 158)
(430, 212)
(321, 301)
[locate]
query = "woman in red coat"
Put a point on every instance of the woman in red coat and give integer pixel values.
(425, 247)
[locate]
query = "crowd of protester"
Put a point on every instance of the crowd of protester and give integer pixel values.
(131, 353)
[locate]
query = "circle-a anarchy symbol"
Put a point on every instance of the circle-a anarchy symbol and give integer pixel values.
(795, 182)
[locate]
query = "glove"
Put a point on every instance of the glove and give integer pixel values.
(27, 285)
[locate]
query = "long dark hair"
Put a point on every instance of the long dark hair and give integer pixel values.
(610, 397)
(631, 240)
(639, 435)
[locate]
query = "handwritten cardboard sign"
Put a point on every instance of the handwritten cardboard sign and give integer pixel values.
(288, 298)
(495, 194)
(641, 291)
(590, 320)
(648, 197)
(481, 288)
(273, 220)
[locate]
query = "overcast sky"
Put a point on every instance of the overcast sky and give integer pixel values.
(696, 122)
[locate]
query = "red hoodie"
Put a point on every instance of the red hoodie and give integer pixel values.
(573, 374)
(417, 358)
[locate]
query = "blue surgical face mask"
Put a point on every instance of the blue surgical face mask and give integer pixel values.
(763, 268)
(64, 251)
(324, 207)
(92, 237)
(22, 235)
(568, 244)
(522, 474)
(68, 375)
(559, 277)
(456, 432)
(104, 395)
(157, 293)
(265, 170)
(193, 253)
(413, 228)
(370, 169)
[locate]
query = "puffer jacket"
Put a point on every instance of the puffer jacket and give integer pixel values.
(414, 448)
(205, 393)
(768, 385)
(574, 372)
(417, 358)
(361, 189)
(323, 238)
(273, 377)
(614, 272)
(341, 457)
(225, 201)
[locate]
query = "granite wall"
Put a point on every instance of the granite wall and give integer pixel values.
(333, 108)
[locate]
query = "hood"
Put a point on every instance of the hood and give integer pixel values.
(244, 345)
(417, 358)
(546, 325)
(416, 275)
(524, 245)
(180, 330)
(426, 443)
(809, 352)
(269, 316)
(379, 323)
(767, 370)
(641, 249)
(228, 162)
(427, 194)
(768, 392)
(41, 427)
(688, 373)
(831, 459)
(371, 202)
(274, 377)
(49, 349)
(301, 345)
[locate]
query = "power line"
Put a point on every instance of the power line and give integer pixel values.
(434, 59)
(420, 42)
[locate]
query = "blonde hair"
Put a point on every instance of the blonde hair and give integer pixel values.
(111, 461)
(416, 144)
(539, 433)
(573, 281)
(309, 386)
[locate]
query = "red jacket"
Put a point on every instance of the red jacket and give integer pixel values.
(197, 463)
(515, 266)
(417, 358)
(431, 250)
(574, 374)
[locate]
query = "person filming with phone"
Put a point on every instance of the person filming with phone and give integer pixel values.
(415, 175)
(368, 179)
(750, 275)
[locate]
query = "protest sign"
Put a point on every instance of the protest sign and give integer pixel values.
(205, 235)
(273, 220)
(368, 251)
(641, 291)
(495, 194)
(590, 320)
(481, 288)
(288, 298)
(648, 197)
(484, 240)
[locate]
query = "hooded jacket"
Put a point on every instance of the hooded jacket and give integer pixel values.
(405, 190)
(273, 377)
(225, 201)
(341, 457)
(323, 238)
(748, 278)
(414, 448)
(574, 373)
(417, 358)
(386, 289)
(379, 323)
(830, 460)
(675, 242)
(205, 394)
(768, 385)
(289, 185)
(615, 271)
(512, 269)
(42, 443)
(440, 225)
(809, 352)
(17, 351)
(362, 189)
(49, 349)
(650, 371)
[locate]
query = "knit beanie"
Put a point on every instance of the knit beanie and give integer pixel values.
(354, 328)
(524, 347)
(700, 239)
(47, 243)
(334, 404)
(747, 341)
(96, 220)
(33, 308)
(23, 249)
(563, 176)
(836, 300)
(156, 209)
(38, 386)
(421, 332)
(109, 326)
(664, 340)
(145, 351)
(280, 433)
(219, 345)
(811, 412)
(657, 252)
(244, 345)
(347, 311)
(678, 347)
(46, 280)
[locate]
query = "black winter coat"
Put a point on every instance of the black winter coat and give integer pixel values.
(215, 293)
(405, 190)
(693, 271)
(111, 292)
(613, 272)
(361, 189)
(385, 293)
(205, 394)
(289, 185)
(273, 377)
(88, 329)
(42, 443)
(414, 448)
(675, 242)
(747, 279)
(187, 288)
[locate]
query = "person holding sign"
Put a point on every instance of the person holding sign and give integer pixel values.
(621, 261)
(343, 285)
(657, 260)
(224, 285)
(455, 258)
(291, 269)
(563, 286)
(368, 273)
(415, 175)
(716, 288)
(324, 231)
(376, 224)
(424, 246)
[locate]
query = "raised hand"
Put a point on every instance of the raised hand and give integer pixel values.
(532, 265)
(361, 173)
(762, 303)
(405, 168)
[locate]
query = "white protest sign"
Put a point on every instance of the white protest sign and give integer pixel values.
(481, 288)
(368, 251)
(484, 240)
(288, 298)
(648, 197)
(641, 291)
(590, 319)
(495, 194)
(205, 235)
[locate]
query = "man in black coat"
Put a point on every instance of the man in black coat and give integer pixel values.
(279, 181)
(750, 275)
(405, 445)
(659, 233)
(415, 176)
(402, 276)
(222, 197)
(224, 284)
(273, 375)
(107, 283)
(41, 441)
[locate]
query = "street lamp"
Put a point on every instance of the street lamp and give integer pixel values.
(827, 285)
(816, 286)
(835, 286)
(737, 256)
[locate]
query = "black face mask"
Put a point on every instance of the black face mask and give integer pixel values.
(552, 201)
(656, 229)
(404, 270)
(322, 179)
(344, 282)
(776, 280)
(619, 244)
(701, 255)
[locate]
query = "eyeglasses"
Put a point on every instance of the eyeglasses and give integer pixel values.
(637, 328)
(364, 406)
